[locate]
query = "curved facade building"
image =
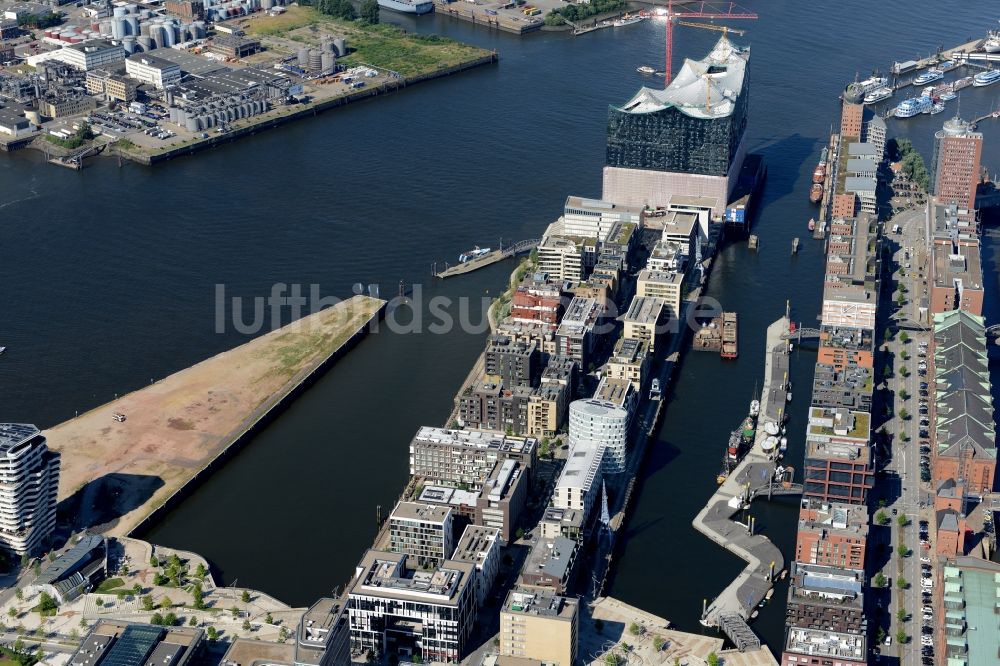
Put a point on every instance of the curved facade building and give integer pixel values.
(29, 482)
(603, 425)
(686, 139)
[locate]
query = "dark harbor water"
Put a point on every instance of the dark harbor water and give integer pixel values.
(109, 275)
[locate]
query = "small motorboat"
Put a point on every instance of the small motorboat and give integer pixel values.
(645, 69)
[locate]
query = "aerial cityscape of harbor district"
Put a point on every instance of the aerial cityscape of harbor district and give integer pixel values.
(499, 332)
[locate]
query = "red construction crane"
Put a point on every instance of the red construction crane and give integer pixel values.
(705, 9)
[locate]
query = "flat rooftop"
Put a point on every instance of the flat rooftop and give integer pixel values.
(478, 439)
(553, 557)
(599, 206)
(249, 652)
(848, 519)
(957, 264)
(386, 574)
(615, 391)
(312, 636)
(15, 434)
(428, 513)
(451, 496)
(117, 643)
(630, 350)
(662, 277)
(154, 61)
(539, 602)
(830, 644)
(834, 451)
(191, 63)
(175, 427)
(645, 310)
(475, 544)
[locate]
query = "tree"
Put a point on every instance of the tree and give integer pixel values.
(246, 625)
(137, 589)
(283, 636)
(157, 619)
(153, 562)
(369, 12)
(235, 611)
(903, 337)
(658, 643)
(268, 619)
(245, 597)
(520, 533)
(903, 551)
(200, 571)
(712, 659)
(213, 633)
(165, 602)
(879, 580)
(901, 615)
(634, 629)
(902, 520)
(612, 659)
(198, 598)
(193, 622)
(905, 415)
(124, 568)
(170, 620)
(882, 518)
(19, 594)
(901, 583)
(46, 605)
(147, 602)
(12, 612)
(901, 636)
(36, 567)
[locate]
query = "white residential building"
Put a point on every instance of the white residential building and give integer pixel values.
(29, 483)
(602, 425)
(594, 218)
(480, 546)
(580, 480)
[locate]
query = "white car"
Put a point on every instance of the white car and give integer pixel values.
(925, 560)
(926, 640)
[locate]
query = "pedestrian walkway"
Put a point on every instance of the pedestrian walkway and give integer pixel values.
(736, 603)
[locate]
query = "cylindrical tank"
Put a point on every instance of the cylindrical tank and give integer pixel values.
(145, 42)
(199, 29)
(303, 57)
(329, 62)
(144, 28)
(341, 46)
(132, 24)
(118, 27)
(119, 12)
(128, 43)
(170, 34)
(193, 124)
(266, 4)
(315, 60)
(156, 32)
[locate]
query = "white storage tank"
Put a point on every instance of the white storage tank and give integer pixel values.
(303, 57)
(329, 62)
(341, 47)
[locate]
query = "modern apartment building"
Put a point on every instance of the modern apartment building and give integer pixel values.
(30, 474)
(832, 534)
(503, 498)
(579, 482)
(480, 546)
(539, 299)
(603, 425)
(515, 363)
(466, 457)
(539, 626)
(424, 531)
(649, 319)
(629, 361)
(399, 610)
(323, 635)
(825, 616)
(576, 334)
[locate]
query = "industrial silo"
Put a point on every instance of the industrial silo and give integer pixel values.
(198, 29)
(117, 27)
(120, 12)
(266, 4)
(193, 124)
(303, 57)
(341, 46)
(144, 41)
(329, 62)
(315, 60)
(132, 25)
(128, 43)
(170, 34)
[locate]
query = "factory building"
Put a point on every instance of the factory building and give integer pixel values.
(150, 69)
(92, 54)
(28, 495)
(113, 86)
(14, 124)
(224, 96)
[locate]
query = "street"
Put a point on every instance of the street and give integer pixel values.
(903, 497)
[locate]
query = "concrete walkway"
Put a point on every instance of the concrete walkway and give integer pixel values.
(743, 595)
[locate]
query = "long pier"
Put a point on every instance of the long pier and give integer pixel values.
(736, 603)
(488, 259)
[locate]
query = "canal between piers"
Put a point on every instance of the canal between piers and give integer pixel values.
(108, 295)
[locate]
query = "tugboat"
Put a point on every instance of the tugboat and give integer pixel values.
(819, 175)
(816, 193)
(812, 224)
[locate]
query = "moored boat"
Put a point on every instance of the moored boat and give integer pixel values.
(931, 74)
(730, 336)
(878, 95)
(627, 20)
(819, 174)
(645, 69)
(474, 253)
(937, 108)
(812, 224)
(986, 78)
(914, 106)
(816, 193)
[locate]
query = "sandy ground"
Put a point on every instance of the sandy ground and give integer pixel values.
(115, 474)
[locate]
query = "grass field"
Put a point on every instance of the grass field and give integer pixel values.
(383, 46)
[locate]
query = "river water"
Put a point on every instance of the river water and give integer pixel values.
(109, 277)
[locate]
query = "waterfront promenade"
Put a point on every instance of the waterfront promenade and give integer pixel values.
(741, 597)
(117, 474)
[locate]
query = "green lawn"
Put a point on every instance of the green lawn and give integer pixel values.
(109, 585)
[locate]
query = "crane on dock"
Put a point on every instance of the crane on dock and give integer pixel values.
(706, 10)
